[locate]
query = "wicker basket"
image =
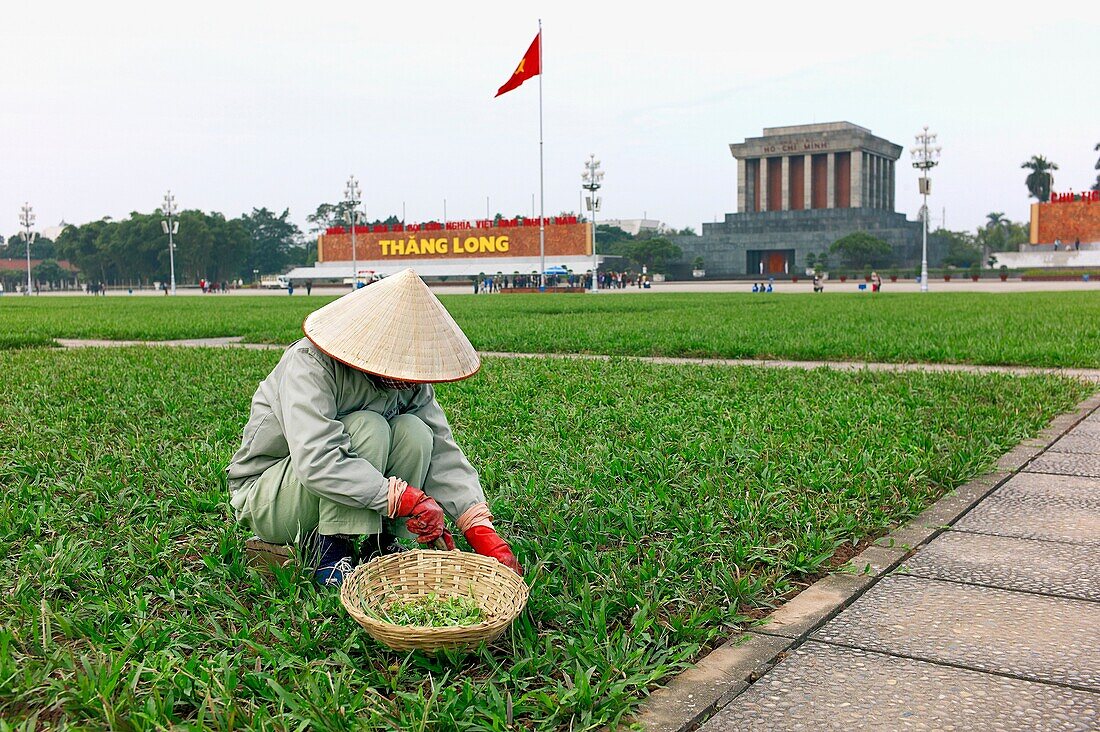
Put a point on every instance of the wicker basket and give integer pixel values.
(499, 592)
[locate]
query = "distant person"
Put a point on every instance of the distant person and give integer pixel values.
(769, 287)
(309, 287)
(1057, 244)
(290, 288)
(755, 287)
(1077, 244)
(818, 284)
(876, 282)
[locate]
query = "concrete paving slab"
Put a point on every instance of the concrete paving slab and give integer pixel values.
(818, 602)
(1018, 456)
(1090, 426)
(820, 687)
(875, 560)
(1064, 463)
(718, 677)
(1009, 563)
(1078, 442)
(1040, 506)
(1036, 637)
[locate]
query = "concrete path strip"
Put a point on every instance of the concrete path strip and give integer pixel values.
(236, 341)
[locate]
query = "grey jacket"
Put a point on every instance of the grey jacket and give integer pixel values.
(294, 413)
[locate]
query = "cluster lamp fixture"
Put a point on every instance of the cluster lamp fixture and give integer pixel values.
(926, 155)
(353, 196)
(26, 220)
(591, 181)
(171, 226)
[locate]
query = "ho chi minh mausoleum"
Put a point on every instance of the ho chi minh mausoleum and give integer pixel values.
(799, 189)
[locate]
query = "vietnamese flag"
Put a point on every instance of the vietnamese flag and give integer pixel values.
(530, 65)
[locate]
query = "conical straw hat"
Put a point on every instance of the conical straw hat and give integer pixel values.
(394, 327)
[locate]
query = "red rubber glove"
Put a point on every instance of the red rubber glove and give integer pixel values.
(448, 541)
(426, 515)
(488, 543)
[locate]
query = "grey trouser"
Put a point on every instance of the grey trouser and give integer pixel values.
(280, 510)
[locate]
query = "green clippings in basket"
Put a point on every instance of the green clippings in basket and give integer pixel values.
(434, 611)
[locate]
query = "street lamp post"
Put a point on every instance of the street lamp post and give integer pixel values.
(26, 220)
(925, 157)
(352, 195)
(171, 228)
(591, 178)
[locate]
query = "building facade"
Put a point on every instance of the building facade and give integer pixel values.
(799, 189)
(452, 249)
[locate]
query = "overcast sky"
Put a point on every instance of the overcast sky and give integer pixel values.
(103, 106)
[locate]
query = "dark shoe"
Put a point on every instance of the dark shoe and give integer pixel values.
(379, 545)
(333, 560)
(332, 575)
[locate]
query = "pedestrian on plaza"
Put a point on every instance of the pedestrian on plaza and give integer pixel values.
(876, 282)
(755, 287)
(1057, 244)
(819, 286)
(309, 287)
(1077, 244)
(289, 287)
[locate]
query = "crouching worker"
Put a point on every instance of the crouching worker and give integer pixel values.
(345, 441)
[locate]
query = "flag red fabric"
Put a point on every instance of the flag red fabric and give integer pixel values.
(530, 65)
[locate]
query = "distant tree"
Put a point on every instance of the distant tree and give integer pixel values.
(963, 249)
(654, 254)
(612, 240)
(686, 231)
(1041, 178)
(327, 216)
(48, 272)
(860, 248)
(1000, 235)
(84, 246)
(275, 240)
(16, 248)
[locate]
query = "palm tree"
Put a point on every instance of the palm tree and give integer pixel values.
(1040, 180)
(992, 236)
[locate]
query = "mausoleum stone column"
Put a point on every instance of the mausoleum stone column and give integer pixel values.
(763, 163)
(808, 177)
(785, 185)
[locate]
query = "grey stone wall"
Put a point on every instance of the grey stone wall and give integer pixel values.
(724, 245)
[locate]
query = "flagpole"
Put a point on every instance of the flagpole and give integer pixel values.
(542, 195)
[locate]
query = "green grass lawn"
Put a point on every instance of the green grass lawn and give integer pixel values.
(1035, 329)
(652, 506)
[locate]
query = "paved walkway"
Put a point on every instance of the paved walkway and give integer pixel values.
(992, 625)
(1087, 374)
